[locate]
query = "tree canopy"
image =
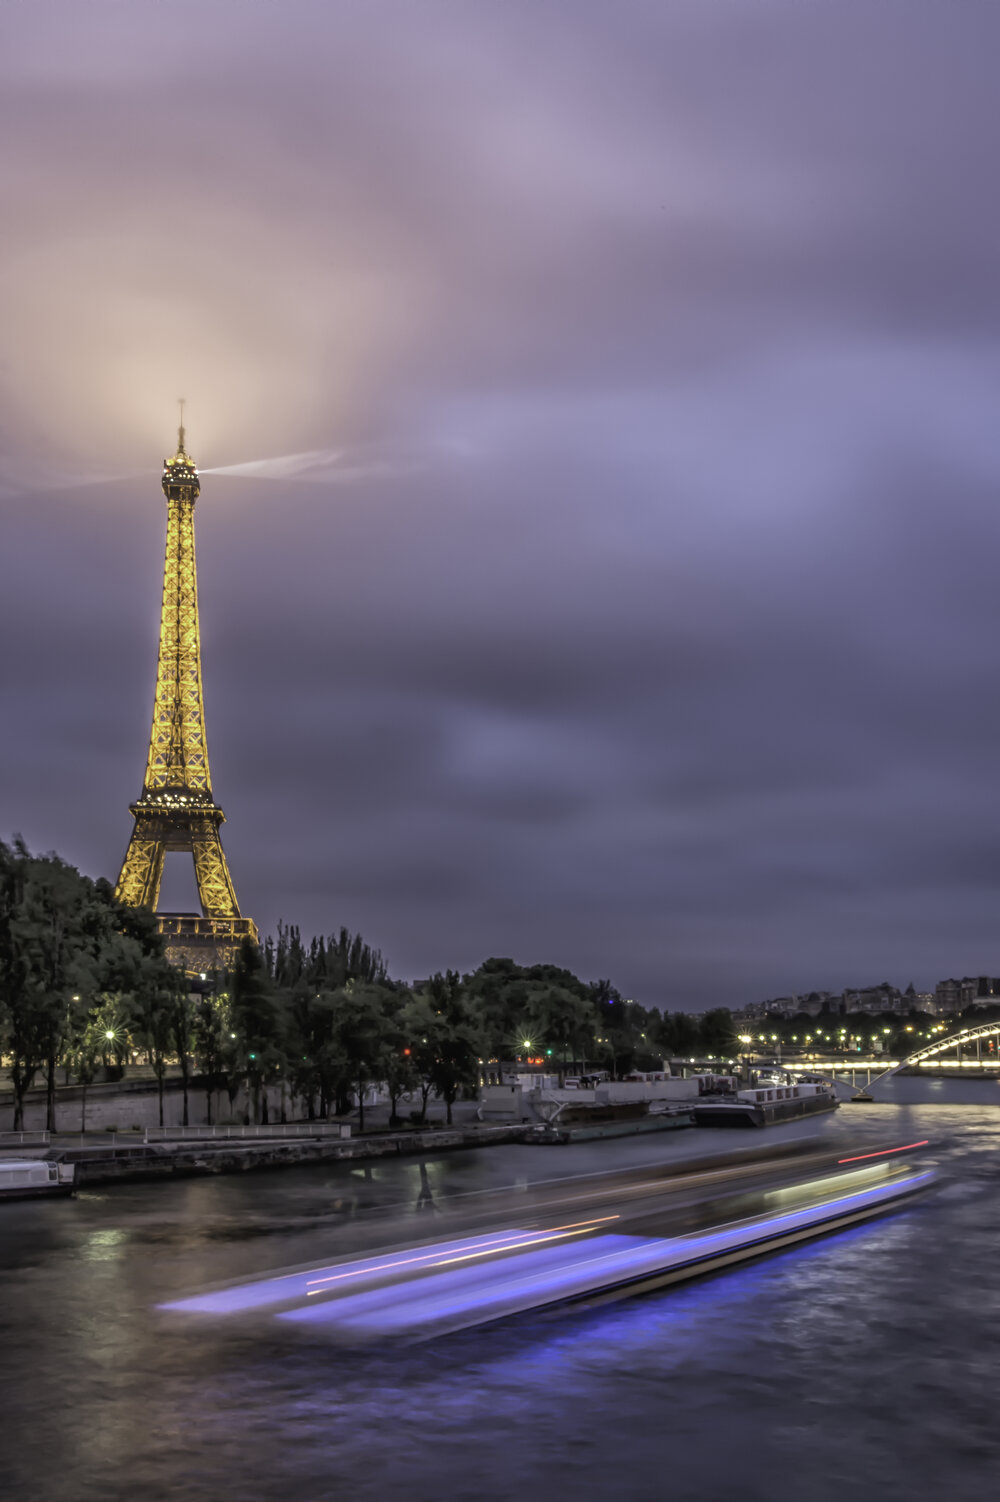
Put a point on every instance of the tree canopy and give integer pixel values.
(319, 1023)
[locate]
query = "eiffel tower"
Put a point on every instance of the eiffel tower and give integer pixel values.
(176, 810)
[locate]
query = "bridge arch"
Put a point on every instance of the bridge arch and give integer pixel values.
(932, 1050)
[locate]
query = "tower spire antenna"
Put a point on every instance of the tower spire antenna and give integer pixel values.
(180, 431)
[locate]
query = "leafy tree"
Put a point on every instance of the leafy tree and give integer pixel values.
(60, 927)
(82, 978)
(134, 967)
(457, 1067)
(257, 1026)
(327, 964)
(617, 1022)
(24, 1025)
(718, 1034)
(514, 1004)
(104, 1034)
(315, 1065)
(444, 1040)
(348, 958)
(362, 1034)
(84, 1057)
(564, 1021)
(310, 984)
(399, 1074)
(152, 999)
(181, 1015)
(52, 924)
(420, 1026)
(678, 1034)
(211, 1039)
(499, 994)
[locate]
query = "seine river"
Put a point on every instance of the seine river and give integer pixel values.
(871, 1358)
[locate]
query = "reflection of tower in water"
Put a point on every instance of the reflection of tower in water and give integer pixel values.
(425, 1199)
(176, 809)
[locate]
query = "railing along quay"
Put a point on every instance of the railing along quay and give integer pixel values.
(303, 1130)
(339, 1129)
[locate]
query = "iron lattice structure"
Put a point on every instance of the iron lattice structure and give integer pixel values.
(176, 810)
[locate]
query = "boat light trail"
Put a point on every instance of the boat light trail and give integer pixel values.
(544, 1275)
(506, 1242)
(367, 1269)
(884, 1153)
(284, 1287)
(559, 1234)
(428, 1289)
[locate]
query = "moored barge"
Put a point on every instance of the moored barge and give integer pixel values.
(766, 1106)
(34, 1178)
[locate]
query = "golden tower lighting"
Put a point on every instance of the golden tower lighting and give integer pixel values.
(176, 810)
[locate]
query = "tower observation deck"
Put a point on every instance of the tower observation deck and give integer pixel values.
(176, 809)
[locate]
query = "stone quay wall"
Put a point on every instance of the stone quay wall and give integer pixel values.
(132, 1104)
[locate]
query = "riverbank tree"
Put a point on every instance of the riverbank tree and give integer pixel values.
(66, 947)
(321, 1018)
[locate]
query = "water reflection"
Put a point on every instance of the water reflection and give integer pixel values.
(425, 1199)
(104, 1246)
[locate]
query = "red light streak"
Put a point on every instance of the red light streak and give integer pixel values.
(884, 1152)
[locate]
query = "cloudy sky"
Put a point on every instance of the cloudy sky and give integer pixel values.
(602, 563)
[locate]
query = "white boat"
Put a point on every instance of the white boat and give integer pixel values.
(27, 1178)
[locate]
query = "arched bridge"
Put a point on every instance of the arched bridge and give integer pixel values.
(971, 1036)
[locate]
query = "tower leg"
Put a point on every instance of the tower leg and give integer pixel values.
(215, 885)
(142, 868)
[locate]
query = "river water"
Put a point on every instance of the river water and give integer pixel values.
(869, 1358)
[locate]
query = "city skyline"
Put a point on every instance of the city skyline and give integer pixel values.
(599, 500)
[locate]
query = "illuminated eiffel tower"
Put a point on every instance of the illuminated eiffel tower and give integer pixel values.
(176, 810)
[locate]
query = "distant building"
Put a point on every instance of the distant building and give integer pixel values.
(872, 999)
(819, 1004)
(953, 996)
(948, 997)
(783, 1006)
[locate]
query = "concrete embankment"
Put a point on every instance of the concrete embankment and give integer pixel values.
(126, 1163)
(120, 1162)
